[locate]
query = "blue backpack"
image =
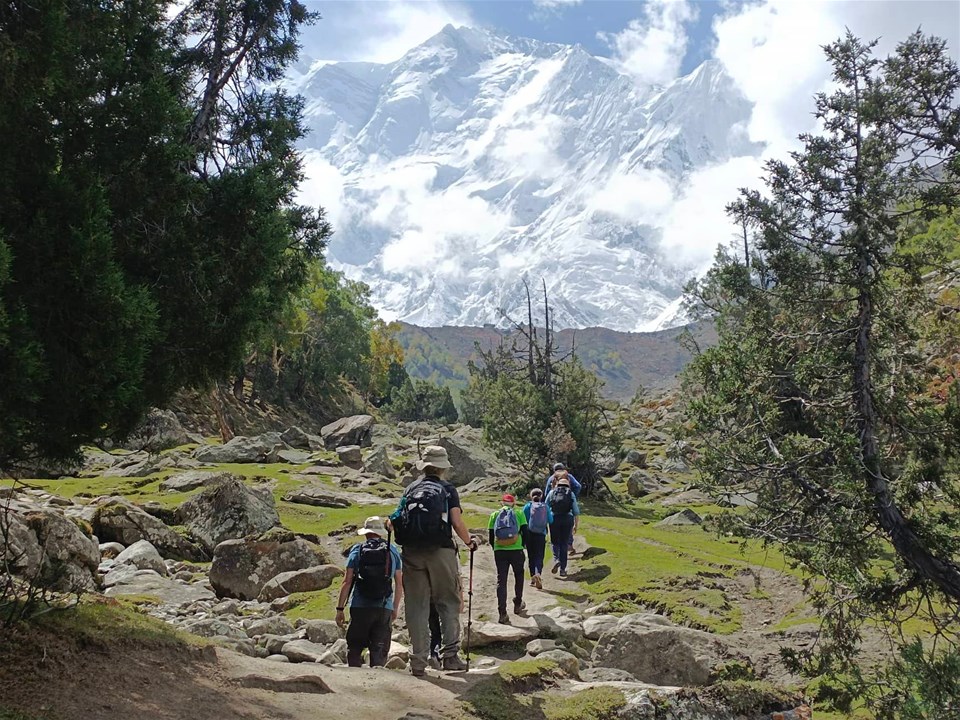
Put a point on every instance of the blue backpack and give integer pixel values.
(506, 529)
(538, 518)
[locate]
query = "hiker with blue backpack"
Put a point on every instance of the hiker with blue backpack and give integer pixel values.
(508, 536)
(566, 517)
(374, 568)
(428, 515)
(538, 517)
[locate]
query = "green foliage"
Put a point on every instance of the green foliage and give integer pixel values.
(422, 400)
(920, 685)
(598, 703)
(148, 224)
(815, 399)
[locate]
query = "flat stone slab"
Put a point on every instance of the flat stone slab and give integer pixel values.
(488, 633)
(296, 684)
(168, 592)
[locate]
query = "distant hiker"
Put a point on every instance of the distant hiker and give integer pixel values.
(566, 516)
(373, 567)
(539, 517)
(508, 536)
(424, 521)
(560, 470)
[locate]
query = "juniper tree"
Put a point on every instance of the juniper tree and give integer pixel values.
(816, 401)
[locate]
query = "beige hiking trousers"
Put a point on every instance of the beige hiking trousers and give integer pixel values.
(431, 575)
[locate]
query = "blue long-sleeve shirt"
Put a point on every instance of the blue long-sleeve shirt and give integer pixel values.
(575, 508)
(574, 485)
(526, 513)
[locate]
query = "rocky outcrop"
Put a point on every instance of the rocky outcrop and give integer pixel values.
(116, 520)
(241, 449)
(561, 623)
(655, 651)
(143, 556)
(241, 568)
(318, 496)
(166, 591)
(309, 579)
(377, 462)
(159, 430)
(353, 430)
(68, 558)
(297, 438)
(467, 466)
(229, 510)
(488, 633)
(191, 480)
(350, 456)
(684, 517)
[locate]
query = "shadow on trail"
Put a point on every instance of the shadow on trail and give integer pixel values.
(592, 552)
(591, 575)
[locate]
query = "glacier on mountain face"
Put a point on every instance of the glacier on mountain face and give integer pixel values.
(476, 161)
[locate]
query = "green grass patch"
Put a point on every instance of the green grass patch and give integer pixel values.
(599, 703)
(753, 698)
(317, 605)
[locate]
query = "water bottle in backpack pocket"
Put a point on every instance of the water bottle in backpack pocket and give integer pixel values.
(538, 518)
(506, 528)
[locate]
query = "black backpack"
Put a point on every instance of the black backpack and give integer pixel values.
(561, 500)
(374, 574)
(422, 518)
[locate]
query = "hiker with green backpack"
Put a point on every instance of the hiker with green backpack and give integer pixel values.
(508, 536)
(373, 569)
(539, 516)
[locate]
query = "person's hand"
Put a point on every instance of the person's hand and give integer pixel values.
(395, 614)
(474, 544)
(342, 620)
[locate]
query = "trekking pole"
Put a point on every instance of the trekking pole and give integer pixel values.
(470, 607)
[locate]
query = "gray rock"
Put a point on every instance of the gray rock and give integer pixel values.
(350, 456)
(159, 430)
(488, 633)
(297, 438)
(278, 658)
(241, 568)
(378, 463)
(119, 575)
(640, 483)
(318, 496)
(336, 654)
(594, 627)
(396, 663)
(245, 647)
(241, 449)
(467, 465)
(214, 627)
(229, 510)
(324, 632)
(273, 644)
(226, 607)
(110, 550)
(636, 458)
(561, 623)
(540, 645)
(603, 674)
(23, 552)
(69, 558)
(310, 579)
(191, 480)
(567, 662)
(294, 457)
(276, 625)
(302, 651)
(116, 520)
(655, 651)
(353, 430)
(684, 517)
(167, 592)
(143, 556)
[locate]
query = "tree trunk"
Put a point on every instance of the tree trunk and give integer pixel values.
(226, 433)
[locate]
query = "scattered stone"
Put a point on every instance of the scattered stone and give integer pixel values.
(337, 654)
(166, 591)
(119, 575)
(241, 449)
(684, 517)
(302, 651)
(144, 556)
(297, 684)
(640, 483)
(110, 550)
(226, 607)
(214, 627)
(297, 438)
(159, 430)
(350, 456)
(636, 458)
(318, 496)
(324, 632)
(278, 658)
(241, 568)
(396, 663)
(567, 662)
(604, 674)
(69, 558)
(353, 430)
(229, 510)
(594, 627)
(540, 645)
(276, 625)
(561, 623)
(378, 463)
(399, 650)
(242, 646)
(190, 480)
(294, 457)
(116, 520)
(488, 633)
(310, 579)
(273, 644)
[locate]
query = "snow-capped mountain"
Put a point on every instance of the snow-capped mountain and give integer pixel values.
(476, 161)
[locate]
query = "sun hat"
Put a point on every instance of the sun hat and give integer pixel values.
(536, 492)
(434, 456)
(373, 526)
(559, 466)
(563, 481)
(508, 498)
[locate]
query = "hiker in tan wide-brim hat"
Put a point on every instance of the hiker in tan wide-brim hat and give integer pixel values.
(434, 456)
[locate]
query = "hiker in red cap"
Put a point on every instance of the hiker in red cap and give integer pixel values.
(508, 537)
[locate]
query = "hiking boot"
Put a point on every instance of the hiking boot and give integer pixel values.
(556, 566)
(454, 664)
(519, 606)
(537, 582)
(563, 573)
(434, 662)
(533, 581)
(504, 618)
(418, 671)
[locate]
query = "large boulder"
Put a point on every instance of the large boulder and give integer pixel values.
(159, 430)
(229, 510)
(636, 458)
(559, 622)
(21, 552)
(684, 517)
(353, 430)
(69, 557)
(377, 462)
(488, 633)
(190, 480)
(467, 466)
(241, 568)
(241, 449)
(116, 520)
(319, 496)
(324, 632)
(165, 590)
(143, 556)
(594, 627)
(656, 651)
(309, 579)
(303, 651)
(297, 438)
(350, 456)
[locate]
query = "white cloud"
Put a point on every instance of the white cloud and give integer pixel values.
(651, 49)
(555, 4)
(529, 147)
(643, 196)
(323, 186)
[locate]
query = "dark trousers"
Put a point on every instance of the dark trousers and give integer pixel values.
(561, 532)
(505, 560)
(369, 628)
(536, 549)
(435, 637)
